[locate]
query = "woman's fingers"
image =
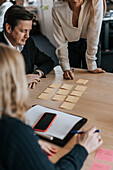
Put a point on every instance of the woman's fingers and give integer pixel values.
(68, 74)
(47, 148)
(98, 70)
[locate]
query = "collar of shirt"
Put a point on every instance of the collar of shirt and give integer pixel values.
(19, 48)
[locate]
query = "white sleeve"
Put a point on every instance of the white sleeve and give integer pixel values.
(62, 43)
(94, 30)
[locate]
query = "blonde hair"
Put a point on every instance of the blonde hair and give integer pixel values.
(13, 87)
(93, 11)
(92, 8)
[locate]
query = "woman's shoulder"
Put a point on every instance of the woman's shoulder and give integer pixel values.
(97, 3)
(5, 5)
(13, 124)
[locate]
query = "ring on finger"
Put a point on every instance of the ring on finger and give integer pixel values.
(99, 137)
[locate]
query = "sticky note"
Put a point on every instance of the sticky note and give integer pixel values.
(44, 96)
(62, 91)
(50, 90)
(82, 81)
(67, 105)
(80, 88)
(59, 97)
(100, 166)
(67, 86)
(55, 85)
(76, 93)
(72, 99)
(104, 154)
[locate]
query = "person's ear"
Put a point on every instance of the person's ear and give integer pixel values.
(8, 28)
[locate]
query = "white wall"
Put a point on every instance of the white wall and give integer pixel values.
(45, 18)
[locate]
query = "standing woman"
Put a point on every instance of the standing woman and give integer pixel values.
(77, 27)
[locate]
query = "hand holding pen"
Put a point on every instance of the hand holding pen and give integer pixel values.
(90, 140)
(68, 74)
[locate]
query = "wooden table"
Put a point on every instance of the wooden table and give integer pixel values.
(95, 104)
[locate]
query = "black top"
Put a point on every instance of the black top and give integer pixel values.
(19, 150)
(33, 56)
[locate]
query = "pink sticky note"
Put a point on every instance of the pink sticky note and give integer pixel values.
(104, 154)
(100, 166)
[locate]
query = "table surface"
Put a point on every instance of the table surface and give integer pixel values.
(95, 104)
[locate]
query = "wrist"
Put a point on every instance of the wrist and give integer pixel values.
(39, 72)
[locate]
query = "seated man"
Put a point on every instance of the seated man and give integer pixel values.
(16, 28)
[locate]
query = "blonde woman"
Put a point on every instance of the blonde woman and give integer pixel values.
(19, 149)
(77, 26)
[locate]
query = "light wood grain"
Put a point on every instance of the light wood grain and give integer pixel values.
(95, 104)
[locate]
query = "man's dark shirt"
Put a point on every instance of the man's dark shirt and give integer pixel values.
(33, 56)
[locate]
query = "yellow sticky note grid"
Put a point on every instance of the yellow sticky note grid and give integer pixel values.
(50, 90)
(55, 85)
(67, 86)
(62, 91)
(44, 96)
(76, 93)
(58, 97)
(80, 88)
(67, 105)
(72, 99)
(82, 81)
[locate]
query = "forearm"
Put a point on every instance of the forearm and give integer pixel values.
(46, 67)
(44, 62)
(93, 35)
(73, 160)
(61, 51)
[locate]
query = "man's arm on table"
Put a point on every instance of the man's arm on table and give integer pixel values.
(33, 56)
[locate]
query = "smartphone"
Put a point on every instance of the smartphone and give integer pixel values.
(44, 122)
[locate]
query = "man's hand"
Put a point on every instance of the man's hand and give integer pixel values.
(32, 80)
(98, 70)
(68, 74)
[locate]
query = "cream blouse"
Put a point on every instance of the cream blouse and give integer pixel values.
(64, 31)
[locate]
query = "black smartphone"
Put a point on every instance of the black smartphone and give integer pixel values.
(44, 122)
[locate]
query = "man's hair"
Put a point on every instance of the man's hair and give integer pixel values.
(16, 13)
(13, 86)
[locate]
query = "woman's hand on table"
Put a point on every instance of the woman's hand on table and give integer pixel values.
(68, 74)
(98, 70)
(47, 148)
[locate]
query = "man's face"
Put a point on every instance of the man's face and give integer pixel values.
(20, 33)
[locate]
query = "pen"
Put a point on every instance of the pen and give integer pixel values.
(72, 71)
(45, 136)
(81, 132)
